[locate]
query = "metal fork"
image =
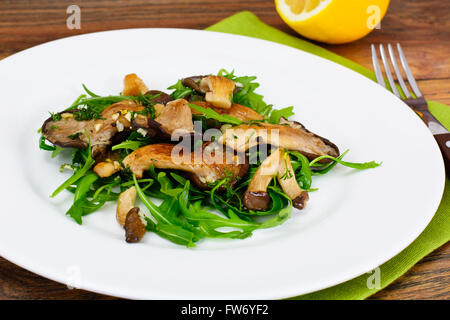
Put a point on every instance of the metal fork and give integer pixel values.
(416, 102)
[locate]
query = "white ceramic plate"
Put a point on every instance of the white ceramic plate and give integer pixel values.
(354, 223)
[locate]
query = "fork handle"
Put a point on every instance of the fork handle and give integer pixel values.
(420, 106)
(441, 134)
(443, 140)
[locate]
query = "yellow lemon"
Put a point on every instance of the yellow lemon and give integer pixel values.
(332, 21)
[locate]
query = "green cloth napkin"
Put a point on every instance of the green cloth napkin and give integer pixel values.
(437, 232)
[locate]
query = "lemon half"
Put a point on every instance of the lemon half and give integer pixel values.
(332, 21)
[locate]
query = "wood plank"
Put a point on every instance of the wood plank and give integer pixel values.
(427, 280)
(436, 89)
(18, 283)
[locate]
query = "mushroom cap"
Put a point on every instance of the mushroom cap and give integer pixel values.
(203, 168)
(256, 200)
(162, 97)
(134, 227)
(300, 201)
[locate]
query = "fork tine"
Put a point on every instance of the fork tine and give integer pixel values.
(387, 69)
(376, 67)
(409, 76)
(398, 73)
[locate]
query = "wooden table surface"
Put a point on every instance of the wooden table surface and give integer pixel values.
(422, 27)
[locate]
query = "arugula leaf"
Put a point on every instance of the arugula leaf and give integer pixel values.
(246, 94)
(93, 205)
(328, 167)
(283, 215)
(354, 165)
(211, 114)
(209, 222)
(89, 92)
(197, 216)
(76, 210)
(128, 144)
(168, 225)
(166, 185)
(171, 207)
(75, 177)
(178, 178)
(180, 90)
(174, 234)
(165, 188)
(277, 114)
(44, 146)
(79, 173)
(80, 97)
(154, 210)
(56, 151)
(304, 175)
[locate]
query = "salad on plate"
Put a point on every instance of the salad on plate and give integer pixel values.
(210, 159)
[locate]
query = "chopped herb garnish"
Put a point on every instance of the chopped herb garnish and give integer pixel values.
(55, 116)
(75, 136)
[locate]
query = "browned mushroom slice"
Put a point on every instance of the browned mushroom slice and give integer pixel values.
(106, 169)
(125, 203)
(236, 110)
(133, 85)
(193, 83)
(158, 109)
(219, 90)
(134, 226)
(173, 119)
(256, 197)
(69, 132)
(159, 97)
(209, 165)
(148, 127)
(115, 119)
(286, 178)
(299, 126)
(176, 117)
(245, 136)
(243, 113)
